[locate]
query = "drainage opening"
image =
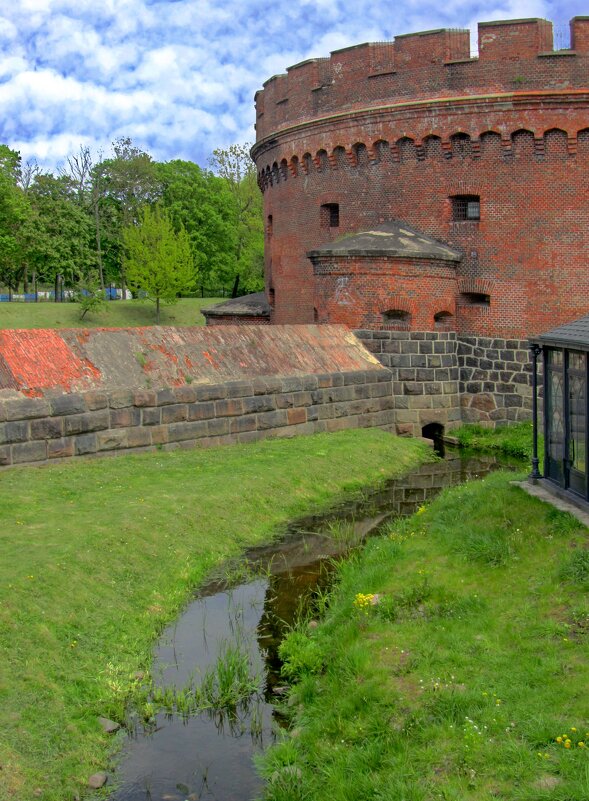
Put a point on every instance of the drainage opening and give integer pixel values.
(435, 432)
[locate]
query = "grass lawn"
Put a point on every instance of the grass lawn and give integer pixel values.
(98, 556)
(467, 675)
(115, 314)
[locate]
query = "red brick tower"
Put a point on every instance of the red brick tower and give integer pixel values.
(488, 156)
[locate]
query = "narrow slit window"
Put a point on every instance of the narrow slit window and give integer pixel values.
(329, 215)
(476, 299)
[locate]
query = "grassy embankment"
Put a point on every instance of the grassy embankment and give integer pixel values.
(115, 314)
(514, 440)
(466, 680)
(97, 556)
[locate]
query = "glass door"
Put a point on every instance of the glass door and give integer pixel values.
(576, 462)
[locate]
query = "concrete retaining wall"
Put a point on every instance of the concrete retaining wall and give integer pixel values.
(36, 430)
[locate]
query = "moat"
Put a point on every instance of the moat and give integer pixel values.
(246, 609)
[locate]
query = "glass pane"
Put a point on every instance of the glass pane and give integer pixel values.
(554, 357)
(555, 416)
(576, 360)
(577, 417)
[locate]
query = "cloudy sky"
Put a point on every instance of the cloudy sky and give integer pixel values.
(178, 76)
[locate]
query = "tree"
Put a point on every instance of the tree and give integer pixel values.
(121, 187)
(202, 203)
(15, 216)
(236, 167)
(60, 239)
(158, 259)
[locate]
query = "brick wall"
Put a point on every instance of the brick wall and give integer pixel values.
(37, 430)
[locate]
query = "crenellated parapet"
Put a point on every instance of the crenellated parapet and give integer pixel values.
(537, 145)
(421, 72)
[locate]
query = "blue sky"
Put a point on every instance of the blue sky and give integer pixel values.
(179, 76)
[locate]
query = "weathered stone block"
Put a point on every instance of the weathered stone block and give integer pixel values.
(151, 416)
(29, 452)
(90, 421)
(363, 390)
(265, 403)
(111, 440)
(121, 398)
(324, 380)
(95, 400)
(240, 424)
(218, 428)
(125, 417)
(159, 435)
(412, 388)
(5, 458)
(294, 416)
(85, 443)
(420, 402)
(272, 419)
(305, 398)
(17, 431)
(203, 410)
(181, 431)
(139, 437)
(239, 389)
(26, 408)
(47, 427)
(174, 413)
(342, 393)
(291, 384)
(67, 404)
(229, 407)
(61, 448)
(145, 397)
(185, 394)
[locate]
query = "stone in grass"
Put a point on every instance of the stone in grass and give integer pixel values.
(97, 780)
(109, 726)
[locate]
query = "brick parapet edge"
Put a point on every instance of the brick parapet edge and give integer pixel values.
(41, 430)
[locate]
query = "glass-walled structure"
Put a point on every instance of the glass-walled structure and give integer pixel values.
(566, 408)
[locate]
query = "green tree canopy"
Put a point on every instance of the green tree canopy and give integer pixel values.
(235, 166)
(202, 203)
(14, 217)
(158, 260)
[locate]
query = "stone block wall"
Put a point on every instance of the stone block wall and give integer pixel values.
(495, 379)
(441, 377)
(37, 430)
(425, 376)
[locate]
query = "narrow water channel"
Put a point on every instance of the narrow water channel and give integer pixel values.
(246, 609)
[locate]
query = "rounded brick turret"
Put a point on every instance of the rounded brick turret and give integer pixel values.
(488, 155)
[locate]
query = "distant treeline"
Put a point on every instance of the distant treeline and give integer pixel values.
(71, 224)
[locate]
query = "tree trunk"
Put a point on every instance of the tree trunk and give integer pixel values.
(157, 311)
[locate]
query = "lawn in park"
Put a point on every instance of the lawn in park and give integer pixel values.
(98, 556)
(115, 313)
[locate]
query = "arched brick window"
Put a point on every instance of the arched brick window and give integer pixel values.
(396, 320)
(443, 321)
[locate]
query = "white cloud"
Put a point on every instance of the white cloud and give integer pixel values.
(179, 77)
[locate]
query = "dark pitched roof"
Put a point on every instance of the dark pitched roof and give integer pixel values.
(390, 239)
(254, 305)
(571, 335)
